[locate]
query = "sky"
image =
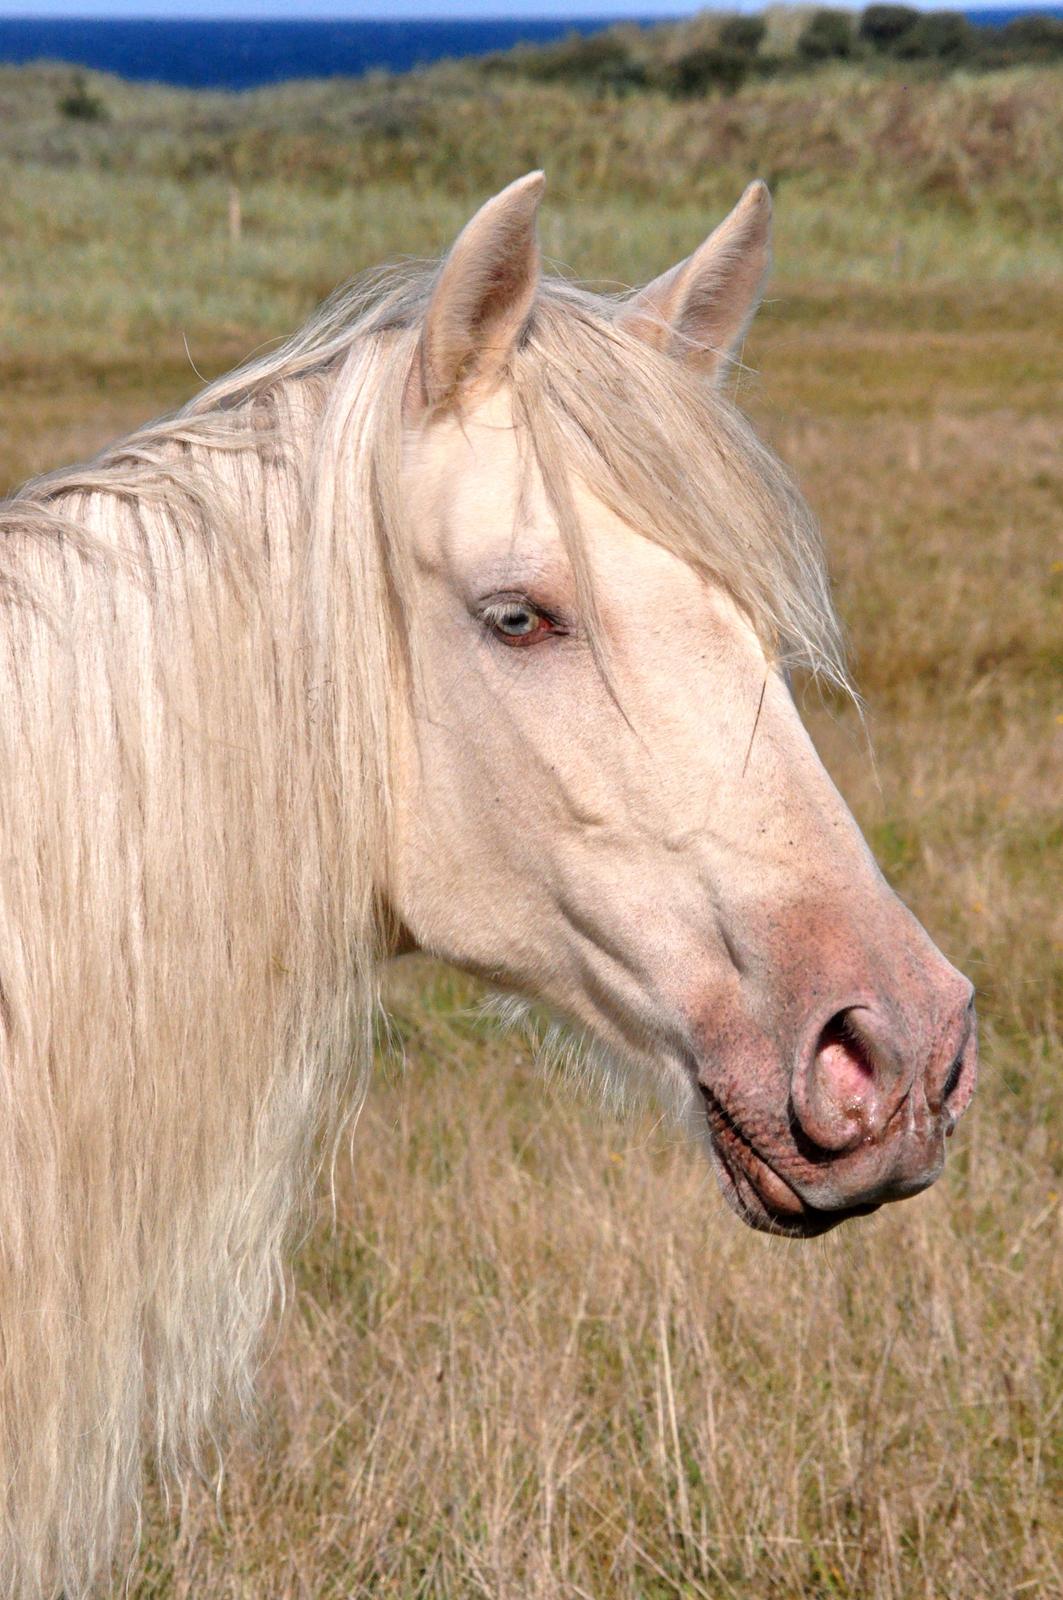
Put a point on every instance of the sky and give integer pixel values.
(398, 10)
(392, 10)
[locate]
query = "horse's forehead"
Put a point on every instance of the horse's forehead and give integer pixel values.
(478, 500)
(481, 511)
(480, 446)
(467, 490)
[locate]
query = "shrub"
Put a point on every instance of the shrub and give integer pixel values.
(826, 35)
(744, 34)
(600, 59)
(707, 67)
(881, 26)
(1032, 38)
(79, 102)
(939, 36)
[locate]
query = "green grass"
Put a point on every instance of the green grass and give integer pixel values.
(879, 182)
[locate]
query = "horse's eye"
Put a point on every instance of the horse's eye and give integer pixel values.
(518, 622)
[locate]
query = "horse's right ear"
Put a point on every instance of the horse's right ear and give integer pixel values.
(481, 300)
(700, 310)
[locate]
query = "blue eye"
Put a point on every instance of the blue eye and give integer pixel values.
(518, 622)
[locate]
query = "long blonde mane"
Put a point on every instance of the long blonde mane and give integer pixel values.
(201, 644)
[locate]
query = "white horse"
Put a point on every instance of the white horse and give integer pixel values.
(461, 623)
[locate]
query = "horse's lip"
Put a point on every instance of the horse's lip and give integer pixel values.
(756, 1192)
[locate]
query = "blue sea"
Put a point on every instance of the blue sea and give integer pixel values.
(243, 55)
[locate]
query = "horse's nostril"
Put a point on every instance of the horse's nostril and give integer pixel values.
(847, 1048)
(845, 1063)
(952, 1082)
(957, 1084)
(837, 1092)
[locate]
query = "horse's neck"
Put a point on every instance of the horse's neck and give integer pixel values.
(168, 575)
(186, 692)
(209, 530)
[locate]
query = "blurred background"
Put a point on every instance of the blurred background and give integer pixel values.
(535, 1356)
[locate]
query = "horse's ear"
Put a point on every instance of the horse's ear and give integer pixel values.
(481, 300)
(700, 310)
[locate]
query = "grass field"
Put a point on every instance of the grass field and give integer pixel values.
(535, 1356)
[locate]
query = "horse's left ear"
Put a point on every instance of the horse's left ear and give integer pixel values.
(700, 310)
(481, 300)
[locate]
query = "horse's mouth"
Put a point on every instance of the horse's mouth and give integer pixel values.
(756, 1192)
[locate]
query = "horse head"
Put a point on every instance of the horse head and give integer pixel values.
(605, 797)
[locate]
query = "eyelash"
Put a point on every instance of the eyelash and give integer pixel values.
(497, 611)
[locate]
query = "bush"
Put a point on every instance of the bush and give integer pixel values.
(599, 59)
(881, 26)
(707, 67)
(939, 36)
(1033, 38)
(827, 35)
(79, 102)
(744, 34)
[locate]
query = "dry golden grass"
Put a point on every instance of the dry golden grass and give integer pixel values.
(535, 1357)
